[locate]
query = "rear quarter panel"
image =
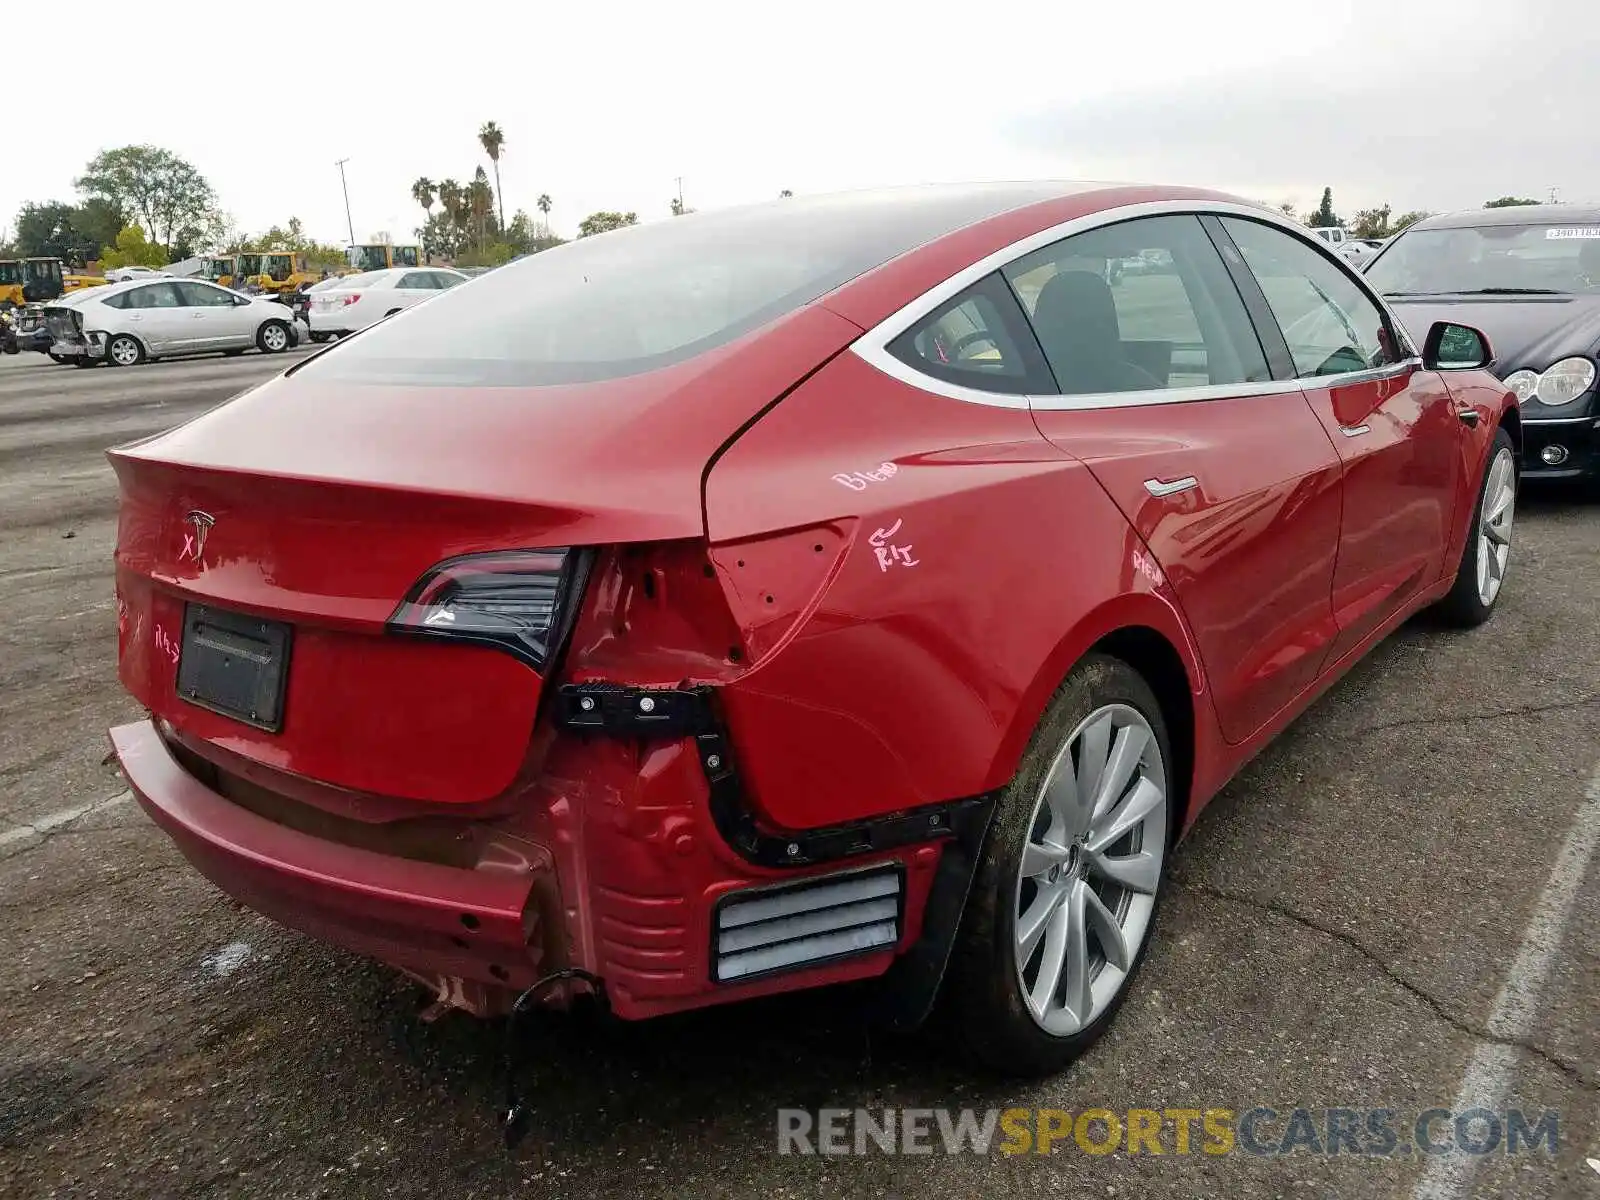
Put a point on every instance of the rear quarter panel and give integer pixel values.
(905, 632)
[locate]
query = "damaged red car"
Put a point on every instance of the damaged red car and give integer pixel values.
(870, 586)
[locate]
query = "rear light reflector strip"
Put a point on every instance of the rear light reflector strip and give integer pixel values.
(762, 930)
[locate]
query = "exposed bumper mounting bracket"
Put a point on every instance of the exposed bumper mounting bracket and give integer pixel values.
(622, 711)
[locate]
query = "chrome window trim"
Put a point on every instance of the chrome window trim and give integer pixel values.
(1555, 420)
(872, 346)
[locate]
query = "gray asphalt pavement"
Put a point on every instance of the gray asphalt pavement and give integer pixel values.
(1394, 907)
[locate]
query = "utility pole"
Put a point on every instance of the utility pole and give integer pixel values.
(1553, 193)
(680, 191)
(351, 225)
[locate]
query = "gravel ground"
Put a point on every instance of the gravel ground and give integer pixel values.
(1341, 926)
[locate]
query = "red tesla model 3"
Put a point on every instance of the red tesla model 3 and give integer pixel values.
(871, 585)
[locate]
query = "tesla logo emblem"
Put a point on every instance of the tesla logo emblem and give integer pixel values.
(194, 542)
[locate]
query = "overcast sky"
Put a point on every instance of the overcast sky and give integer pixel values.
(1422, 104)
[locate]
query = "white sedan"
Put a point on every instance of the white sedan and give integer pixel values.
(357, 301)
(127, 274)
(126, 323)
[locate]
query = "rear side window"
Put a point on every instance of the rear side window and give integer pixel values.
(1142, 305)
(1331, 325)
(152, 295)
(649, 296)
(417, 279)
(977, 340)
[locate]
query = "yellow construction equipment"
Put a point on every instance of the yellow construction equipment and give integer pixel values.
(275, 272)
(29, 281)
(221, 268)
(378, 256)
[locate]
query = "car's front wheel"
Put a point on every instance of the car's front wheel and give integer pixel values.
(1068, 882)
(124, 350)
(1487, 554)
(273, 337)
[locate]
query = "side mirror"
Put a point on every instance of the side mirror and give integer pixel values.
(1452, 347)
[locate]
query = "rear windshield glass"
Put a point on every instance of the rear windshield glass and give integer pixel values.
(649, 296)
(1491, 258)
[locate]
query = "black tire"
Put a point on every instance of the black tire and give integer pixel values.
(390, 313)
(982, 1003)
(1464, 606)
(320, 338)
(123, 340)
(263, 336)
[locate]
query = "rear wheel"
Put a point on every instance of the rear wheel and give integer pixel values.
(1487, 554)
(273, 337)
(124, 350)
(1068, 883)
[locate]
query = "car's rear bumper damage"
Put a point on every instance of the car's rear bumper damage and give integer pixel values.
(629, 860)
(471, 932)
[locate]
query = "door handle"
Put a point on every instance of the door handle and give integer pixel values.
(1469, 417)
(1354, 430)
(1159, 488)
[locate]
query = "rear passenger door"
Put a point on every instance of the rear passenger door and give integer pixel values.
(1393, 423)
(1165, 392)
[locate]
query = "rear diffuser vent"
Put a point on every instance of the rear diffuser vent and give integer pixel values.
(762, 930)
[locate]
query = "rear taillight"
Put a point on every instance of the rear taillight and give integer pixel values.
(350, 297)
(520, 601)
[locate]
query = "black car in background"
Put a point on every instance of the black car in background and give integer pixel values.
(1529, 278)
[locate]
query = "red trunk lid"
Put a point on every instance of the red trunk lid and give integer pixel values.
(326, 504)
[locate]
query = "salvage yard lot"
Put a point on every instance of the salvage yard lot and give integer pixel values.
(1338, 929)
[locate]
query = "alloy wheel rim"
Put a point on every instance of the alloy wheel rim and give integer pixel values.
(274, 338)
(1087, 883)
(125, 352)
(1494, 526)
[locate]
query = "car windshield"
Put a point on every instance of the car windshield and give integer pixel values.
(1504, 259)
(645, 297)
(10, 272)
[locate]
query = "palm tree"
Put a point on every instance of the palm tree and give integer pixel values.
(450, 198)
(492, 140)
(544, 206)
(422, 192)
(480, 201)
